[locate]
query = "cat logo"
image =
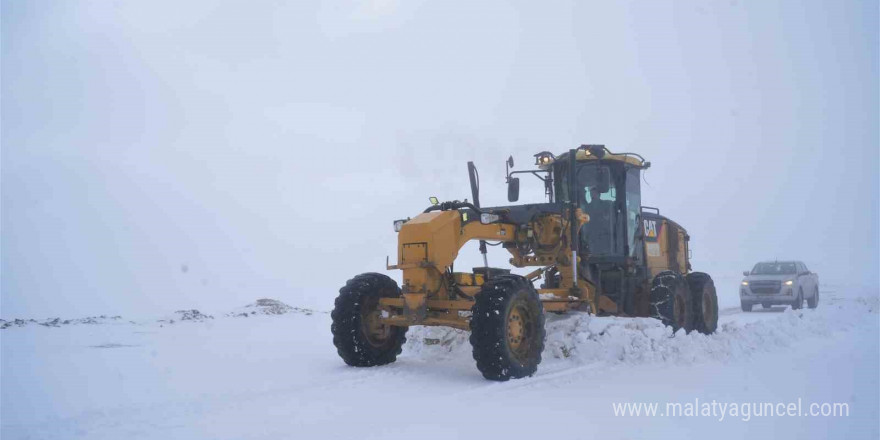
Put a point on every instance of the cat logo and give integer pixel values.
(651, 230)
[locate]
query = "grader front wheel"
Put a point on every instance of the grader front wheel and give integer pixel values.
(507, 328)
(358, 334)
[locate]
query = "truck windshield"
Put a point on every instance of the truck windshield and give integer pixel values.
(774, 269)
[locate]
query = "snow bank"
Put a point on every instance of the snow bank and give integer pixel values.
(266, 306)
(583, 339)
(263, 306)
(579, 338)
(186, 315)
(58, 322)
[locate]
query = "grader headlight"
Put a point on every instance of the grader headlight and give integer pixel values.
(486, 218)
(544, 158)
(398, 224)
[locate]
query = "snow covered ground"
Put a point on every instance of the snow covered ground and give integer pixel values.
(267, 371)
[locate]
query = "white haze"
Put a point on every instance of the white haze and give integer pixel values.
(164, 155)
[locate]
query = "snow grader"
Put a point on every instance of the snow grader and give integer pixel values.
(593, 246)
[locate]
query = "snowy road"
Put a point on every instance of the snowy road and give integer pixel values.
(271, 377)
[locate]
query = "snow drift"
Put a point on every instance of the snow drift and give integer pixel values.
(266, 306)
(200, 377)
(583, 339)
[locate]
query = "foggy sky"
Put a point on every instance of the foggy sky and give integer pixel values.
(165, 155)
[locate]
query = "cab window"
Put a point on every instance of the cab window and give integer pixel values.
(599, 197)
(610, 195)
(633, 208)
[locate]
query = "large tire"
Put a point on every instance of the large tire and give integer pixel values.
(360, 339)
(671, 301)
(813, 301)
(705, 302)
(799, 301)
(746, 307)
(507, 328)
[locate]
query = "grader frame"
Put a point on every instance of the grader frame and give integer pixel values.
(428, 245)
(640, 267)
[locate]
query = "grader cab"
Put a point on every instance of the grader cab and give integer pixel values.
(593, 246)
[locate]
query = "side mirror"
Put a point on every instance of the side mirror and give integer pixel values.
(475, 183)
(510, 162)
(745, 273)
(513, 189)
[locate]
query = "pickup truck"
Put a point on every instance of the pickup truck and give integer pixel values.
(779, 283)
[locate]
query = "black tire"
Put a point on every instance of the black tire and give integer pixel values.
(507, 328)
(746, 307)
(813, 302)
(799, 301)
(671, 301)
(359, 339)
(705, 302)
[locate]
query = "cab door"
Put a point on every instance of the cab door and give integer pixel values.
(599, 192)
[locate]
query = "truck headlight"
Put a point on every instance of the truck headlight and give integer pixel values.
(745, 283)
(398, 224)
(789, 282)
(486, 218)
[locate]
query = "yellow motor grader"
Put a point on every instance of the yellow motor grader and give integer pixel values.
(593, 245)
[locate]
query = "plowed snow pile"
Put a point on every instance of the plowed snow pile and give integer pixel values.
(580, 338)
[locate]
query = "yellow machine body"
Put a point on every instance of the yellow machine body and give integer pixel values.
(592, 246)
(428, 244)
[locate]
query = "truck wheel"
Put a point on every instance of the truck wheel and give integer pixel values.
(507, 328)
(746, 307)
(799, 301)
(360, 338)
(705, 302)
(671, 301)
(813, 302)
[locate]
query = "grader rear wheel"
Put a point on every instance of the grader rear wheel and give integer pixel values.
(507, 328)
(361, 339)
(671, 301)
(705, 302)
